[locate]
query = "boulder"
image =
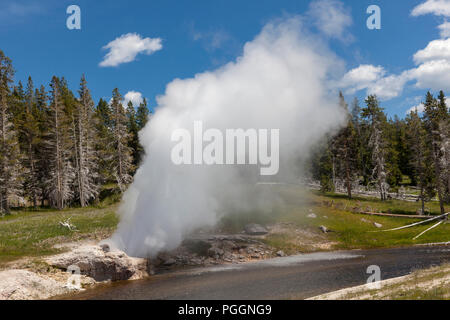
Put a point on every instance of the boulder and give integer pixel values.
(228, 245)
(105, 247)
(94, 262)
(169, 262)
(215, 252)
(255, 229)
(378, 225)
(281, 253)
(198, 246)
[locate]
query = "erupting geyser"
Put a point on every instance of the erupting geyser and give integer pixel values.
(279, 82)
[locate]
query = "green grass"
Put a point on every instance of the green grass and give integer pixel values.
(34, 232)
(440, 293)
(350, 231)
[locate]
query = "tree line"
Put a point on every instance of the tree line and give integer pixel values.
(57, 148)
(385, 154)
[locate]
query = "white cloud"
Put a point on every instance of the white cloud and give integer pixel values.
(433, 74)
(444, 29)
(133, 96)
(361, 77)
(389, 87)
(373, 79)
(436, 7)
(419, 108)
(435, 50)
(125, 49)
(432, 69)
(332, 18)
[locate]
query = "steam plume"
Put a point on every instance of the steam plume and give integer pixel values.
(279, 82)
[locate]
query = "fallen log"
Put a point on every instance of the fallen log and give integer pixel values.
(415, 224)
(432, 227)
(394, 215)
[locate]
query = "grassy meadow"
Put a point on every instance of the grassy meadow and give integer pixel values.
(33, 233)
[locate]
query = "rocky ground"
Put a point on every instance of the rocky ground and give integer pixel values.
(96, 263)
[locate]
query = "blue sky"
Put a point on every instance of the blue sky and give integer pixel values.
(204, 34)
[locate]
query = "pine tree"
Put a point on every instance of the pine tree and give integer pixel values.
(132, 127)
(393, 137)
(326, 169)
(103, 145)
(403, 153)
(345, 148)
(85, 155)
(142, 117)
(444, 132)
(433, 117)
(376, 118)
(58, 153)
(10, 169)
(43, 120)
(359, 142)
(420, 158)
(121, 158)
(30, 139)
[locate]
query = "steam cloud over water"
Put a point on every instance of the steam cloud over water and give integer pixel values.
(279, 82)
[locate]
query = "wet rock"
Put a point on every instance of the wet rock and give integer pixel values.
(198, 246)
(215, 252)
(99, 265)
(255, 229)
(105, 247)
(281, 253)
(229, 245)
(324, 229)
(169, 262)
